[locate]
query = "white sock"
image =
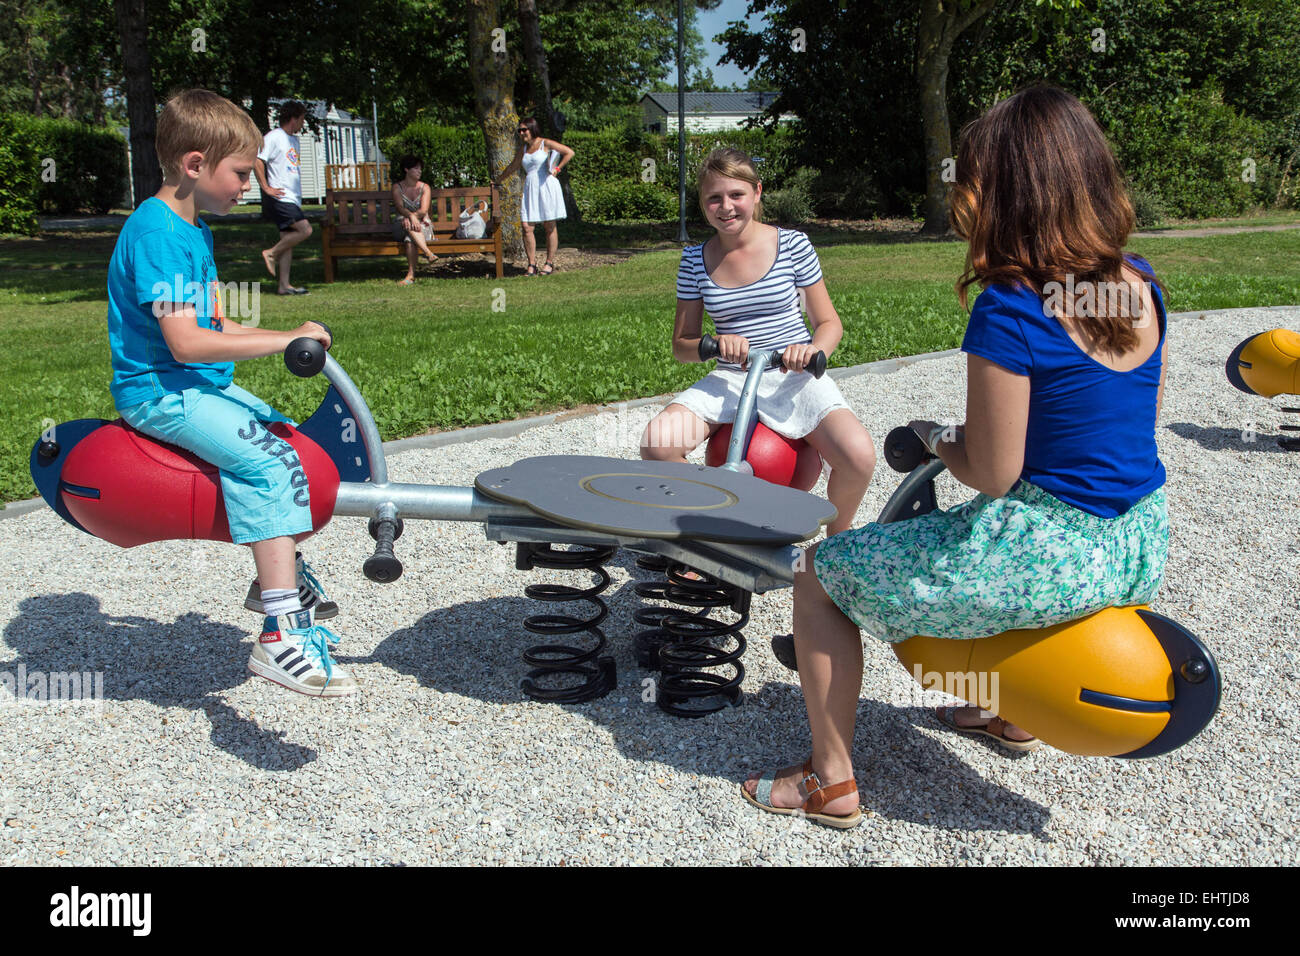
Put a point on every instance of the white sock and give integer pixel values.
(277, 601)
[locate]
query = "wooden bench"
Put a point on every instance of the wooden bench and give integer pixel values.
(360, 224)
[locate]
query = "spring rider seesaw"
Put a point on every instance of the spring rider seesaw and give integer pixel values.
(1268, 364)
(737, 531)
(1123, 682)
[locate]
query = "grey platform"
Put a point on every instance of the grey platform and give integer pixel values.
(657, 499)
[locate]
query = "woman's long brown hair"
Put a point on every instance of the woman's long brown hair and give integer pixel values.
(1040, 199)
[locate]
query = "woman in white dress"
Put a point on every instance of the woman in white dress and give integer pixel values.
(543, 201)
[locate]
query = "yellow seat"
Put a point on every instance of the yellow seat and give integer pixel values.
(1124, 682)
(1267, 364)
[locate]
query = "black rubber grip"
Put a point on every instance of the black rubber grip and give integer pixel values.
(709, 351)
(904, 449)
(305, 357)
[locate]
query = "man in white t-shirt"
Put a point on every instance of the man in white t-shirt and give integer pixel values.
(281, 184)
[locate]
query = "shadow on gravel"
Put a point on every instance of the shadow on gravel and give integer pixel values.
(473, 650)
(187, 664)
(1227, 439)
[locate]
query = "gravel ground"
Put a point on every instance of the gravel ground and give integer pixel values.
(191, 760)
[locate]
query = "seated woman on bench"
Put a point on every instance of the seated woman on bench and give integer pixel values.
(1066, 355)
(414, 228)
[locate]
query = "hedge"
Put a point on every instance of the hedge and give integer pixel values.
(452, 155)
(79, 167)
(624, 200)
(1199, 160)
(19, 179)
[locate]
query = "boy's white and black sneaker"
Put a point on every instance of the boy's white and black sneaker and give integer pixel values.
(310, 593)
(293, 650)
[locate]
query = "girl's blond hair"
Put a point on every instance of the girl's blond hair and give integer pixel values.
(730, 163)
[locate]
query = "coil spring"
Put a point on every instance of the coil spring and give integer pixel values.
(679, 642)
(598, 674)
(1290, 444)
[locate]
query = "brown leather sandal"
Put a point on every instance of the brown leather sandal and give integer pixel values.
(994, 729)
(815, 797)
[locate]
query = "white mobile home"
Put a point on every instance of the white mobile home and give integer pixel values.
(704, 111)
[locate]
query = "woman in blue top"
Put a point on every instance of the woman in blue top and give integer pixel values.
(1066, 357)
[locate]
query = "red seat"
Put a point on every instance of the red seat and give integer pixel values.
(791, 462)
(130, 489)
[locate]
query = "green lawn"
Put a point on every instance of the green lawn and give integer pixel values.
(437, 355)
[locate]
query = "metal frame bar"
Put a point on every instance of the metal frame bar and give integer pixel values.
(753, 568)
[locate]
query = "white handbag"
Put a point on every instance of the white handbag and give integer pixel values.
(472, 225)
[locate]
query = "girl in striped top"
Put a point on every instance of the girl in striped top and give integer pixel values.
(751, 277)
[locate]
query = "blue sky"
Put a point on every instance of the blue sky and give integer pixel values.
(712, 22)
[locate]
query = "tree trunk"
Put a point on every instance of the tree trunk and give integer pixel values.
(34, 77)
(133, 26)
(536, 54)
(942, 21)
(261, 111)
(65, 74)
(493, 76)
(97, 88)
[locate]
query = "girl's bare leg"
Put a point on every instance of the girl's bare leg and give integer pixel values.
(673, 433)
(829, 648)
(275, 559)
(846, 446)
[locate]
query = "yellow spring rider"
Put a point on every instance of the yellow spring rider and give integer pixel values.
(1268, 364)
(1124, 682)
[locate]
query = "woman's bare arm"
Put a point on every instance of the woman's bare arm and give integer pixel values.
(827, 329)
(566, 154)
(513, 167)
(988, 453)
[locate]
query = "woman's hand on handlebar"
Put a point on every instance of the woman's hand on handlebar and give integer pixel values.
(733, 349)
(313, 330)
(796, 358)
(933, 434)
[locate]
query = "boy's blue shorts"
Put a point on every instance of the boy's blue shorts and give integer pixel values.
(226, 427)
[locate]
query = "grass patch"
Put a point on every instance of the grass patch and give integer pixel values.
(436, 355)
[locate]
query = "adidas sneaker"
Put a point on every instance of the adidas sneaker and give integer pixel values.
(293, 651)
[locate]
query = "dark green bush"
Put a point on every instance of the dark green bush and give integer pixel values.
(89, 168)
(621, 200)
(453, 156)
(1148, 206)
(847, 194)
(1200, 156)
(19, 179)
(792, 203)
(613, 153)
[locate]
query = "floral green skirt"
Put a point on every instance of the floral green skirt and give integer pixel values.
(990, 565)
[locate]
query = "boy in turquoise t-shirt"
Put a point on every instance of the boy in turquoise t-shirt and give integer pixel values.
(173, 355)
